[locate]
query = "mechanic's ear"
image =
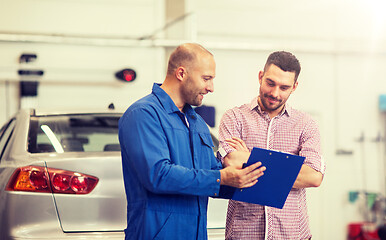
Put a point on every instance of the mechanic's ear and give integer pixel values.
(180, 73)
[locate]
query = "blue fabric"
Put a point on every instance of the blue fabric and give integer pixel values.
(169, 169)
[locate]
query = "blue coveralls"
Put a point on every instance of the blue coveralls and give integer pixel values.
(169, 169)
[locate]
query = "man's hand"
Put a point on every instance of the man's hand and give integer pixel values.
(233, 173)
(242, 178)
(238, 157)
(237, 144)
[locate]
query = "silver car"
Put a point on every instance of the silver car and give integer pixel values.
(61, 178)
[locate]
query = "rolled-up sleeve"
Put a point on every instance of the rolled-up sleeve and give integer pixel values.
(310, 147)
(229, 127)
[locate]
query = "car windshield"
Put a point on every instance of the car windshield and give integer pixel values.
(74, 133)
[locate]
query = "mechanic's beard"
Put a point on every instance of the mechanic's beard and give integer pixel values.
(192, 97)
(196, 101)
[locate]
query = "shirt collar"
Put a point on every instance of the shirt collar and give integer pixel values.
(254, 104)
(167, 103)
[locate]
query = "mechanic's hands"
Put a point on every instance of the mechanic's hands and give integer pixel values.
(242, 178)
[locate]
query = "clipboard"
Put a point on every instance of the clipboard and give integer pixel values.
(273, 187)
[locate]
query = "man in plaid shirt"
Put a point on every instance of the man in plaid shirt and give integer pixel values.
(268, 122)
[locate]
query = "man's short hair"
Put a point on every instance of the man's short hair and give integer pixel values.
(286, 61)
(184, 55)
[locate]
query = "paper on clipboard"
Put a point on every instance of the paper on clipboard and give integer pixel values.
(274, 186)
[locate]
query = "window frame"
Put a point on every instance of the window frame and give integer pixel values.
(9, 127)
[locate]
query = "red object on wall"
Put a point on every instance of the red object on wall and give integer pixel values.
(362, 231)
(126, 75)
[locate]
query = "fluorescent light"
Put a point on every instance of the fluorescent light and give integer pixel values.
(51, 136)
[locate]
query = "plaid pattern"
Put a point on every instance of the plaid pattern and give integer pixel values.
(291, 131)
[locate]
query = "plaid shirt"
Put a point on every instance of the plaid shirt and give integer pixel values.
(291, 131)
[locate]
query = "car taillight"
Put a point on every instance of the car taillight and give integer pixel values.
(51, 180)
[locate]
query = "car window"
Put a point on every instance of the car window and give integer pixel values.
(5, 134)
(74, 133)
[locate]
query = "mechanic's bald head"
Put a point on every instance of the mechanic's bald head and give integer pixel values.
(186, 56)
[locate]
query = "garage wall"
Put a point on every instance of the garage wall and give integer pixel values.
(340, 44)
(79, 45)
(131, 18)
